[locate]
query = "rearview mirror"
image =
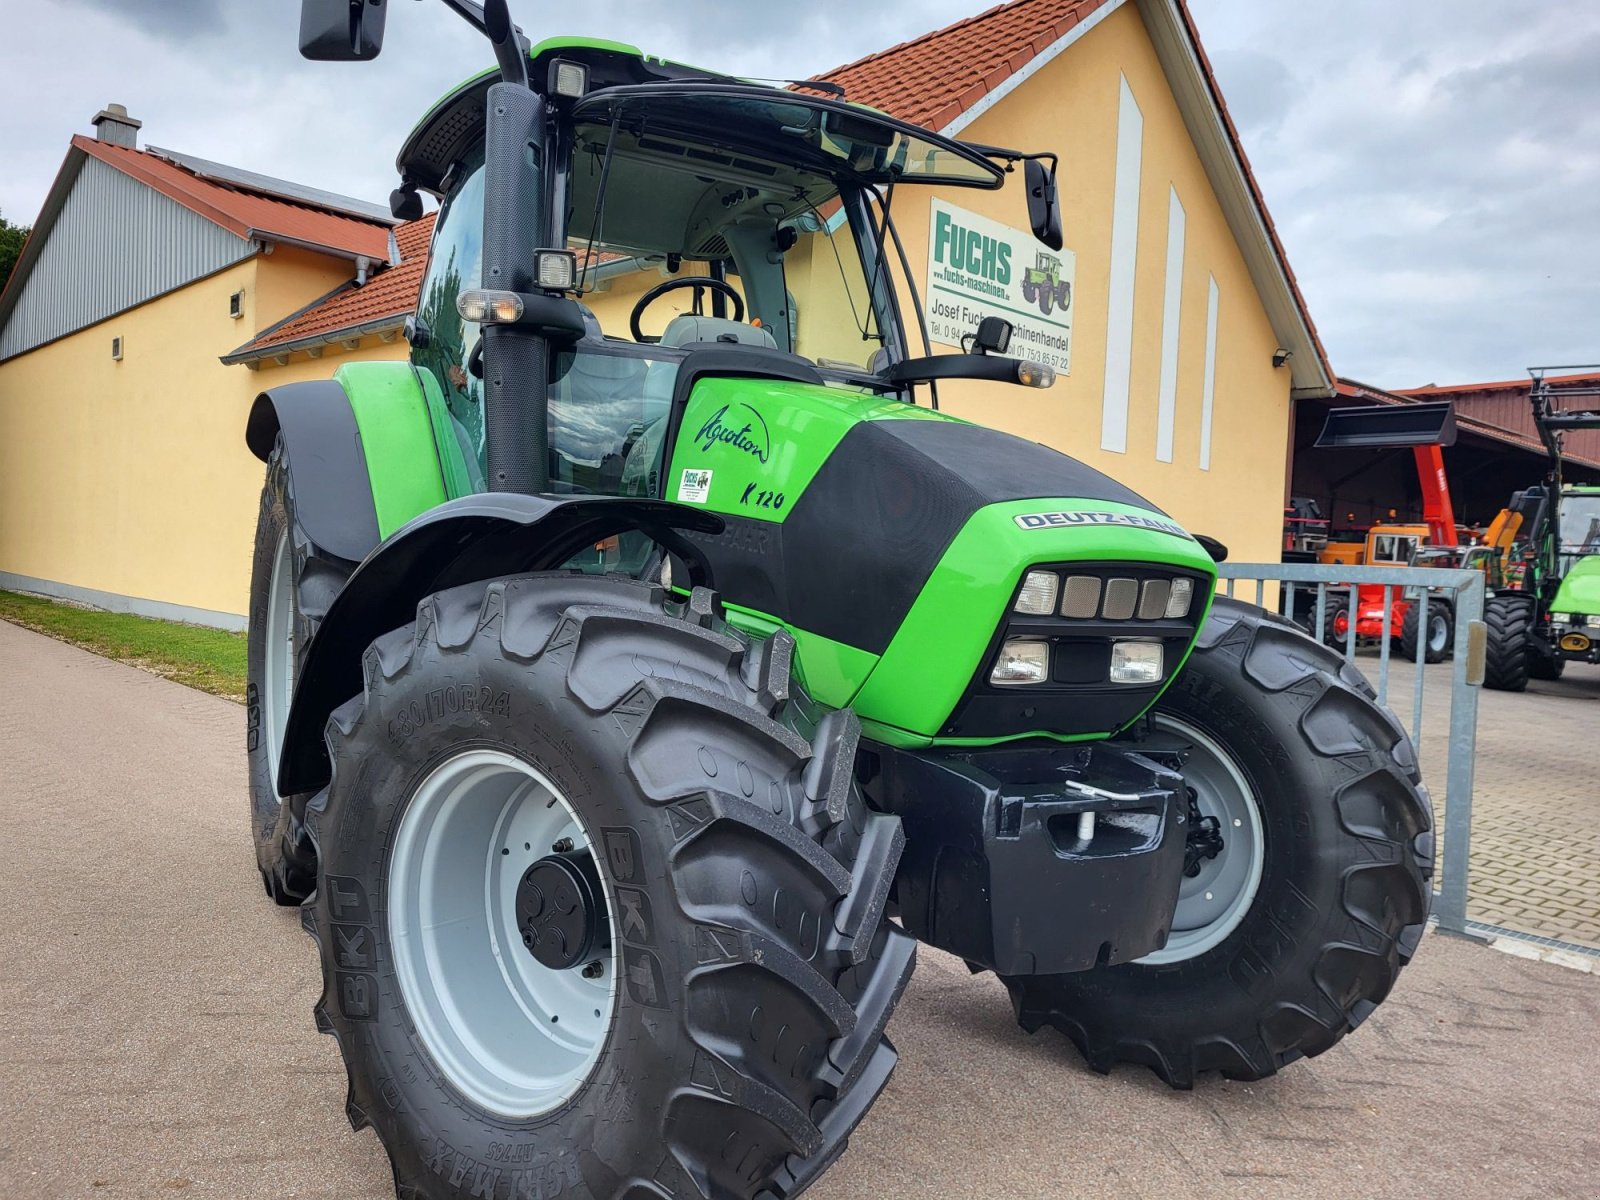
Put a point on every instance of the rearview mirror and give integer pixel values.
(1044, 205)
(341, 30)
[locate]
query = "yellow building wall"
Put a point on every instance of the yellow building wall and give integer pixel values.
(132, 477)
(1070, 106)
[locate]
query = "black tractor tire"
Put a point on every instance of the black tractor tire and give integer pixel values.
(1344, 889)
(1432, 648)
(284, 853)
(747, 1038)
(1507, 653)
(1030, 291)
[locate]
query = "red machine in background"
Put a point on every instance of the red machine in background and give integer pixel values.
(1426, 429)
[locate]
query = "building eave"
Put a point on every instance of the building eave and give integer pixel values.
(253, 354)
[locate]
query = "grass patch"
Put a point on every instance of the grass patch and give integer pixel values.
(212, 660)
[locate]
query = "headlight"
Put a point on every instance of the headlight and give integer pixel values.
(1592, 622)
(1135, 662)
(1038, 595)
(1178, 601)
(1022, 661)
(1561, 618)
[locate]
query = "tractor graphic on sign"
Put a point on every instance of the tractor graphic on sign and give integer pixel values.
(1043, 283)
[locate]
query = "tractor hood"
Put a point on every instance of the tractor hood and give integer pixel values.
(893, 541)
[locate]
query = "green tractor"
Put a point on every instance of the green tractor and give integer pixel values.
(1043, 284)
(1548, 612)
(629, 696)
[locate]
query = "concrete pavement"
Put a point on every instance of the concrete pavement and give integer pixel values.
(156, 1038)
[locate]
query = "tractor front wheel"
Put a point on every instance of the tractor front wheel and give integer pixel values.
(1306, 888)
(600, 908)
(292, 583)
(1509, 619)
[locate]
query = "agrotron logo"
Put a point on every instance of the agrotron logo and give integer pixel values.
(743, 430)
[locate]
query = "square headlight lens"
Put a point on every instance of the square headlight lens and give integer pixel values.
(1022, 661)
(1038, 595)
(1135, 662)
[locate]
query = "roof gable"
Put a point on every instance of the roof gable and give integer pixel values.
(141, 223)
(946, 79)
(107, 245)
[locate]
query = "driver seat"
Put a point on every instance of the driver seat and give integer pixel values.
(686, 328)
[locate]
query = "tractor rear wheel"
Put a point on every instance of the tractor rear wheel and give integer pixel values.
(292, 583)
(1435, 647)
(1509, 619)
(600, 908)
(1292, 931)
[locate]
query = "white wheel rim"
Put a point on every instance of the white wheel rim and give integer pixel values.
(514, 1036)
(277, 685)
(1212, 904)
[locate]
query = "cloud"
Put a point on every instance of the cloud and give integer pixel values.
(1431, 172)
(1431, 166)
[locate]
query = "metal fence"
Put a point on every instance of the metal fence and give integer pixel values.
(1314, 595)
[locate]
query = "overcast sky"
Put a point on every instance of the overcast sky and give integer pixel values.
(1433, 166)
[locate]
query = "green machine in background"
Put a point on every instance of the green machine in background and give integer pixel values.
(1548, 612)
(630, 695)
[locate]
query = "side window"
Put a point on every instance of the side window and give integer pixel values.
(456, 262)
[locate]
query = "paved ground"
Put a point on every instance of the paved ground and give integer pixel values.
(1535, 862)
(155, 1032)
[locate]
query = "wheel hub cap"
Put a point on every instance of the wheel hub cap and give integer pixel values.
(559, 909)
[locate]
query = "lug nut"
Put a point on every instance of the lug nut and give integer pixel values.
(562, 846)
(593, 971)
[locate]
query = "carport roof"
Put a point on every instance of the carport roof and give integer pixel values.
(1350, 389)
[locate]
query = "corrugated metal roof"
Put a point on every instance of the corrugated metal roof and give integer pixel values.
(283, 189)
(113, 244)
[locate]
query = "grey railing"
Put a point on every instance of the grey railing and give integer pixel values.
(1319, 589)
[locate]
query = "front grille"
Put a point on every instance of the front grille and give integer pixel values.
(1100, 604)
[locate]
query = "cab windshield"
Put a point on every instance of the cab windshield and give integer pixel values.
(681, 241)
(1580, 524)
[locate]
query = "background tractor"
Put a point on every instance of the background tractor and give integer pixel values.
(1546, 612)
(1043, 284)
(630, 691)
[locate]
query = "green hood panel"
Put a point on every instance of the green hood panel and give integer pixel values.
(926, 669)
(1580, 590)
(754, 444)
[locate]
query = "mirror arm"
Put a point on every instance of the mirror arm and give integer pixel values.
(493, 20)
(997, 367)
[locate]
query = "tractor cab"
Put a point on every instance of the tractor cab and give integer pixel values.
(695, 212)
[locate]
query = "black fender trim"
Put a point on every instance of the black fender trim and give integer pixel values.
(461, 541)
(327, 466)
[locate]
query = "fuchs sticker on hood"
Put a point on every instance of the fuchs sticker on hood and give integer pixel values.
(1053, 520)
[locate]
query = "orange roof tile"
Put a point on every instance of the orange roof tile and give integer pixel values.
(246, 213)
(390, 293)
(931, 80)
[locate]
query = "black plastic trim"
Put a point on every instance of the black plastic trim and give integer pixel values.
(327, 466)
(461, 541)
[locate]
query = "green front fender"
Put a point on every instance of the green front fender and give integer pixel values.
(413, 456)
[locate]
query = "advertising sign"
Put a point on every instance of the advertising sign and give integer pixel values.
(980, 268)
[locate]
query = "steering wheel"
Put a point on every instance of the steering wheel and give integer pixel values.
(698, 283)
